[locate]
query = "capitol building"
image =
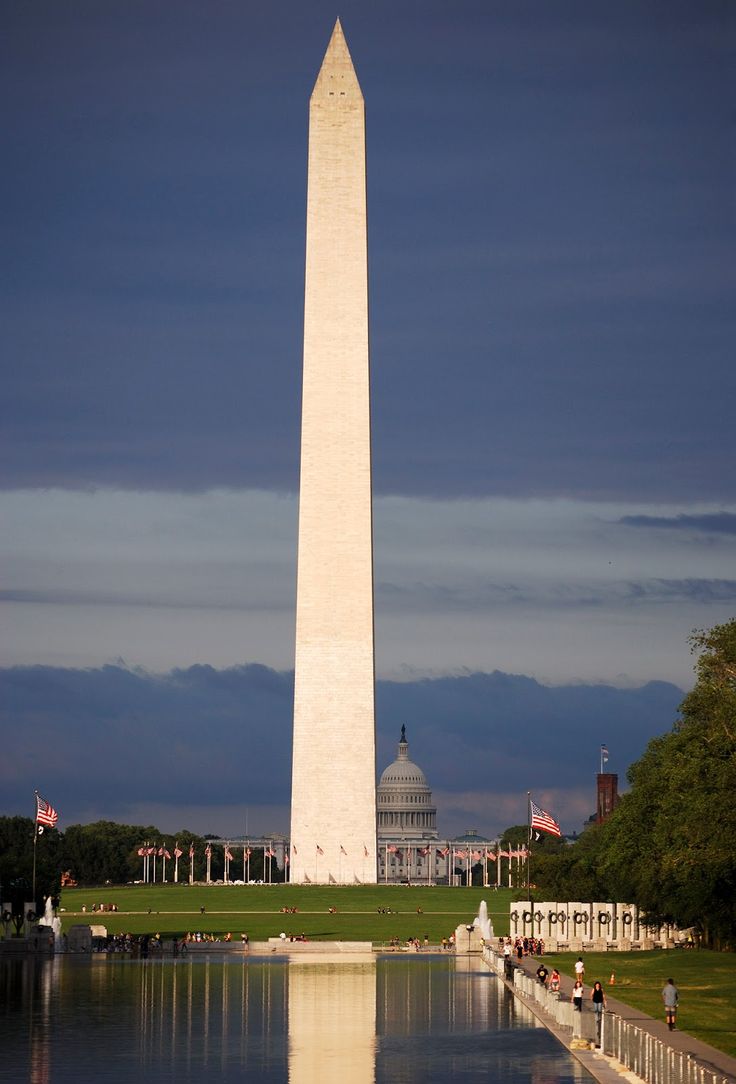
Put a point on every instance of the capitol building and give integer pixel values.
(404, 800)
(409, 848)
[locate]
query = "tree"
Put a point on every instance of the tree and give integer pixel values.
(564, 872)
(515, 835)
(669, 844)
(105, 851)
(16, 863)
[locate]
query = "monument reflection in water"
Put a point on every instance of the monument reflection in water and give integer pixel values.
(407, 1019)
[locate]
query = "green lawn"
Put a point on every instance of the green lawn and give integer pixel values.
(255, 909)
(706, 980)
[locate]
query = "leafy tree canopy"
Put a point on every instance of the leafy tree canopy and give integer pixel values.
(669, 844)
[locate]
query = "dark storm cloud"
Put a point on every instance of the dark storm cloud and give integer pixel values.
(484, 596)
(112, 738)
(708, 523)
(550, 230)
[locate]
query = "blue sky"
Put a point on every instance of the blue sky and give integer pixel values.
(551, 228)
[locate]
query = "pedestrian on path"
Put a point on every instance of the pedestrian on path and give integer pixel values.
(577, 996)
(598, 997)
(579, 968)
(670, 996)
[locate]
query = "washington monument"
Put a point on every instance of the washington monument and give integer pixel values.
(333, 795)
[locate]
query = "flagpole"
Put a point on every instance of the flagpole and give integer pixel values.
(604, 757)
(529, 842)
(35, 842)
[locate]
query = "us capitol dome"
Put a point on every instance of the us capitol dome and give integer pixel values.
(409, 850)
(404, 800)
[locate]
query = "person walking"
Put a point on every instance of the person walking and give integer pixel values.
(577, 996)
(579, 968)
(670, 997)
(598, 997)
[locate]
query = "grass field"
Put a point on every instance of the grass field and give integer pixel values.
(256, 909)
(706, 980)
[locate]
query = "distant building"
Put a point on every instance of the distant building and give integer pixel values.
(404, 800)
(407, 823)
(607, 795)
(409, 848)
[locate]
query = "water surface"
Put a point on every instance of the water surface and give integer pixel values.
(313, 1020)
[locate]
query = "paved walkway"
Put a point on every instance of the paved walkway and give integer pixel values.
(707, 1055)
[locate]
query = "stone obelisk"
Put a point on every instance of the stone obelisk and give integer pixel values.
(333, 799)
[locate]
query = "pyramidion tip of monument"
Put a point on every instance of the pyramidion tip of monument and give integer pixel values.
(337, 78)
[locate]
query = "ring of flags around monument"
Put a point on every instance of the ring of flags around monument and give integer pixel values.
(458, 853)
(539, 821)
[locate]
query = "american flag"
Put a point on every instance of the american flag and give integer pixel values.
(191, 850)
(178, 852)
(543, 821)
(444, 852)
(45, 813)
(228, 854)
(167, 854)
(208, 850)
(142, 852)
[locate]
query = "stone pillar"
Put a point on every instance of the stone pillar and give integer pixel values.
(578, 925)
(603, 925)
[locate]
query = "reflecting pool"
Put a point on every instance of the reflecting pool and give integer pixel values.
(308, 1020)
